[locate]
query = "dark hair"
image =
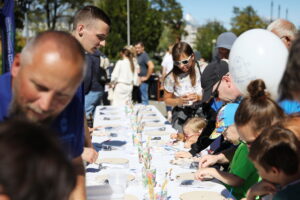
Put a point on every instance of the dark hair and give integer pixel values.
(130, 56)
(33, 165)
(89, 13)
(258, 108)
(290, 82)
(276, 147)
(140, 43)
(179, 49)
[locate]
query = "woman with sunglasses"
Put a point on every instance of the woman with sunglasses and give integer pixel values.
(182, 86)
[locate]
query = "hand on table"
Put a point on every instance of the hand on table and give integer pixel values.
(89, 155)
(183, 154)
(259, 189)
(173, 136)
(204, 173)
(207, 161)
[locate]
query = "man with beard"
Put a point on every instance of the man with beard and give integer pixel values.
(42, 87)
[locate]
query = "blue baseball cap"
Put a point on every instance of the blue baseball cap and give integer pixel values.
(226, 40)
(225, 118)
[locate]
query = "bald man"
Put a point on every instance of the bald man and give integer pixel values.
(42, 87)
(285, 30)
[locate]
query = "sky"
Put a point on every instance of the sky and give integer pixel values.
(222, 10)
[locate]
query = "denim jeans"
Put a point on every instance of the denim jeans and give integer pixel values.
(144, 93)
(91, 100)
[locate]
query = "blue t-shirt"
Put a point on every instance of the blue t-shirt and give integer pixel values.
(143, 59)
(69, 124)
(290, 106)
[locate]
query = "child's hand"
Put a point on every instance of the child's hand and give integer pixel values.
(183, 154)
(173, 136)
(208, 160)
(204, 173)
(259, 189)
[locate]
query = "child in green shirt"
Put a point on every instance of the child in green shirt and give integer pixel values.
(276, 156)
(242, 173)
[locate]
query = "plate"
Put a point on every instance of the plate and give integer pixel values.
(201, 195)
(130, 197)
(156, 133)
(154, 124)
(101, 178)
(186, 176)
(112, 161)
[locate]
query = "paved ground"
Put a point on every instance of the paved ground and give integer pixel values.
(160, 105)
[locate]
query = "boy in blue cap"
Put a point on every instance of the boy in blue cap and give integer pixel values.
(242, 173)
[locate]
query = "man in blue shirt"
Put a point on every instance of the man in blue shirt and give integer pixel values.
(44, 87)
(146, 69)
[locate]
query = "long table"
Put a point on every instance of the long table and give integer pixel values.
(115, 130)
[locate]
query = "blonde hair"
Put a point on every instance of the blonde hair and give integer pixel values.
(195, 124)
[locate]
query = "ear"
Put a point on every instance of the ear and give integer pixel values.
(275, 170)
(80, 30)
(16, 65)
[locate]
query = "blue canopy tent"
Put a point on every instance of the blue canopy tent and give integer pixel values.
(7, 26)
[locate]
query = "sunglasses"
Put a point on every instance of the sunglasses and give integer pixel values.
(183, 62)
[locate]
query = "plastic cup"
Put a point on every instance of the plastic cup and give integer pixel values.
(117, 179)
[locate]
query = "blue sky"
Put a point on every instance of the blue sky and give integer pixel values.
(221, 10)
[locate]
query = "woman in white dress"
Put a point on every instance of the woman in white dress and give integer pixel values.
(124, 77)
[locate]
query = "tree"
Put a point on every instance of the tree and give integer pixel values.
(173, 22)
(206, 35)
(246, 19)
(147, 21)
(45, 14)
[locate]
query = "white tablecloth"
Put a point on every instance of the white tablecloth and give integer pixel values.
(161, 158)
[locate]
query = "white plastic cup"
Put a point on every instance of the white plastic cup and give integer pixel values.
(117, 179)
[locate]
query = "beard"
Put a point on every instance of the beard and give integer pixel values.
(16, 111)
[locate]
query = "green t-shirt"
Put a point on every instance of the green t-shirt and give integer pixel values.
(290, 192)
(242, 167)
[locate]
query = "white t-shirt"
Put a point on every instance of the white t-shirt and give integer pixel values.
(167, 62)
(184, 85)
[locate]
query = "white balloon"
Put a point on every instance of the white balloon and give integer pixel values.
(258, 54)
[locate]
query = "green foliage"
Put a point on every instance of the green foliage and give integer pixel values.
(246, 19)
(147, 21)
(46, 14)
(205, 36)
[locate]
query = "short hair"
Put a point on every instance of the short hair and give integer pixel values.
(88, 13)
(140, 43)
(258, 108)
(195, 124)
(289, 85)
(276, 147)
(68, 45)
(33, 164)
(283, 28)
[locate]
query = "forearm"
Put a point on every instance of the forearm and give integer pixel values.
(227, 178)
(79, 193)
(150, 69)
(222, 159)
(173, 101)
(87, 135)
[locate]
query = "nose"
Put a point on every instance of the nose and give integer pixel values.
(46, 101)
(102, 43)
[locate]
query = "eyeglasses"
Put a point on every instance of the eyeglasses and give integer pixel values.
(215, 93)
(183, 62)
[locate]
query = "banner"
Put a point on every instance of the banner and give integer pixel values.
(7, 26)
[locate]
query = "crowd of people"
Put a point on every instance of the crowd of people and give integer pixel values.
(56, 82)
